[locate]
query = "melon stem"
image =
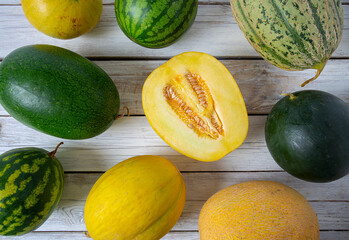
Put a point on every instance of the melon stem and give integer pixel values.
(124, 110)
(289, 94)
(319, 68)
(52, 154)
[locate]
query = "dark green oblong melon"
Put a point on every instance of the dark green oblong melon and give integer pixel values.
(156, 23)
(307, 134)
(57, 92)
(31, 185)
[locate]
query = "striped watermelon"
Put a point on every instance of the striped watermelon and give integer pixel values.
(155, 23)
(291, 34)
(31, 185)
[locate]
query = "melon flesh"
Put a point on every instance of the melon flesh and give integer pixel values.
(195, 105)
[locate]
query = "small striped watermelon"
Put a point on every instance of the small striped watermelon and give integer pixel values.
(291, 34)
(155, 23)
(31, 185)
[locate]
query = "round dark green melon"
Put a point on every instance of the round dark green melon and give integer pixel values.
(155, 23)
(307, 134)
(31, 185)
(57, 92)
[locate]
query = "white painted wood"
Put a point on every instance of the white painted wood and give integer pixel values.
(324, 235)
(261, 83)
(70, 217)
(133, 136)
(214, 31)
(211, 2)
(200, 186)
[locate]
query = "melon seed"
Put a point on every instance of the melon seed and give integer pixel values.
(200, 114)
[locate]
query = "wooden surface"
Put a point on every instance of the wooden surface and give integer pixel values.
(106, 40)
(214, 32)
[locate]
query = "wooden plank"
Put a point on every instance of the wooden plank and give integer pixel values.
(200, 186)
(133, 136)
(107, 40)
(324, 235)
(69, 216)
(261, 83)
(210, 2)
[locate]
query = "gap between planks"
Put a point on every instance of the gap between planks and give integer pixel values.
(212, 20)
(261, 83)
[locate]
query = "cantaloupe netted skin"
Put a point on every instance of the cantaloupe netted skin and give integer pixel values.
(258, 210)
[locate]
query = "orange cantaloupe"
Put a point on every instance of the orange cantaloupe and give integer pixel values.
(258, 210)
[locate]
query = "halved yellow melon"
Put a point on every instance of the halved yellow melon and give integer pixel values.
(194, 104)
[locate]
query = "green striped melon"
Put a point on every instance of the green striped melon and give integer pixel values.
(155, 23)
(31, 185)
(58, 92)
(291, 34)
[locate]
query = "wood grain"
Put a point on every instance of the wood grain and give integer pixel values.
(261, 83)
(200, 186)
(213, 28)
(70, 217)
(133, 136)
(211, 2)
(128, 64)
(324, 235)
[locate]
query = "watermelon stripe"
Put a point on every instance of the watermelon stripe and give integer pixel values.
(139, 22)
(294, 34)
(32, 199)
(123, 6)
(29, 191)
(155, 23)
(176, 30)
(3, 171)
(133, 4)
(10, 188)
(261, 43)
(164, 14)
(16, 219)
(9, 157)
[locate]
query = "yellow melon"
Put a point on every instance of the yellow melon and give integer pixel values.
(139, 198)
(194, 104)
(258, 210)
(63, 19)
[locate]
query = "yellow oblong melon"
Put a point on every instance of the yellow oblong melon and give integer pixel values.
(139, 198)
(194, 104)
(258, 210)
